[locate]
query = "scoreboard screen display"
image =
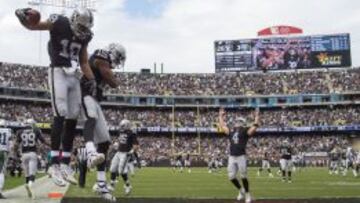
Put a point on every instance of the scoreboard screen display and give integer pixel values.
(281, 53)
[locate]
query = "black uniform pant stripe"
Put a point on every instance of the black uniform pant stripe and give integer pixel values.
(52, 78)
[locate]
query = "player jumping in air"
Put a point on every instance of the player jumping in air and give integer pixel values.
(127, 145)
(95, 129)
(238, 137)
(5, 138)
(67, 48)
(265, 164)
(286, 161)
(28, 138)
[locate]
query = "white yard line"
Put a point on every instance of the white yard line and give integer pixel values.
(41, 188)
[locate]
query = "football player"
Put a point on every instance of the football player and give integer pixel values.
(187, 163)
(350, 161)
(128, 144)
(5, 144)
(67, 48)
(179, 162)
(265, 164)
(334, 156)
(28, 138)
(238, 137)
(102, 61)
(286, 161)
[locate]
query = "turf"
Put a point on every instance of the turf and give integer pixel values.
(163, 183)
(13, 182)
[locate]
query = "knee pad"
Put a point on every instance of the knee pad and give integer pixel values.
(231, 175)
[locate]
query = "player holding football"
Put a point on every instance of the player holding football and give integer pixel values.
(238, 137)
(67, 48)
(102, 61)
(5, 143)
(28, 138)
(128, 144)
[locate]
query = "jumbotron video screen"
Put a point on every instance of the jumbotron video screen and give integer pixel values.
(281, 53)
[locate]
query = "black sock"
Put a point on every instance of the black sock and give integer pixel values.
(236, 183)
(245, 184)
(56, 130)
(269, 170)
(260, 170)
(89, 128)
(67, 142)
(283, 174)
(289, 175)
(27, 179)
(113, 176)
(125, 178)
(32, 178)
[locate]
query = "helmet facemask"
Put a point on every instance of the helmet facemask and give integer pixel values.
(82, 21)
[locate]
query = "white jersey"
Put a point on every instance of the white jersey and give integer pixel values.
(5, 135)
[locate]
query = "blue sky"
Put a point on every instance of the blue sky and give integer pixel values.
(145, 8)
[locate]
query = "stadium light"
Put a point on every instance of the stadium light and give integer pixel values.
(68, 4)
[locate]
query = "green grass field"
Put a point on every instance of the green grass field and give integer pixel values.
(163, 183)
(12, 182)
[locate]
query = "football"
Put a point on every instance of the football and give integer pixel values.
(33, 16)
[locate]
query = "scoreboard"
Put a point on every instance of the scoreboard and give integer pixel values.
(279, 53)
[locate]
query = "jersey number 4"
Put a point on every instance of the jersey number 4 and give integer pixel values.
(70, 50)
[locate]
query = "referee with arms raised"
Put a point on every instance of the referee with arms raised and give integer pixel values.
(238, 137)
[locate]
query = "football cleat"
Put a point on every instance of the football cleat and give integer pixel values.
(2, 196)
(104, 192)
(127, 189)
(241, 194)
(95, 159)
(271, 175)
(29, 191)
(68, 174)
(247, 198)
(57, 176)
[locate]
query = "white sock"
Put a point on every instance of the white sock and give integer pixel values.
(2, 180)
(101, 176)
(90, 147)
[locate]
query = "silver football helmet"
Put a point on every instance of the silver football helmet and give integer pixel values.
(125, 124)
(81, 21)
(117, 55)
(240, 122)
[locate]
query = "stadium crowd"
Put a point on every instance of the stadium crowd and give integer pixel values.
(17, 75)
(189, 118)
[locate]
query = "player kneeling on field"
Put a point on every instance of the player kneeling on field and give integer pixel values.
(95, 128)
(128, 144)
(238, 137)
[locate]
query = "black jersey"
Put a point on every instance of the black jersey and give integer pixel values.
(28, 138)
(334, 155)
(285, 152)
(266, 156)
(238, 140)
(179, 158)
(102, 55)
(126, 140)
(64, 46)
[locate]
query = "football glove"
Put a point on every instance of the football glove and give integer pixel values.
(21, 13)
